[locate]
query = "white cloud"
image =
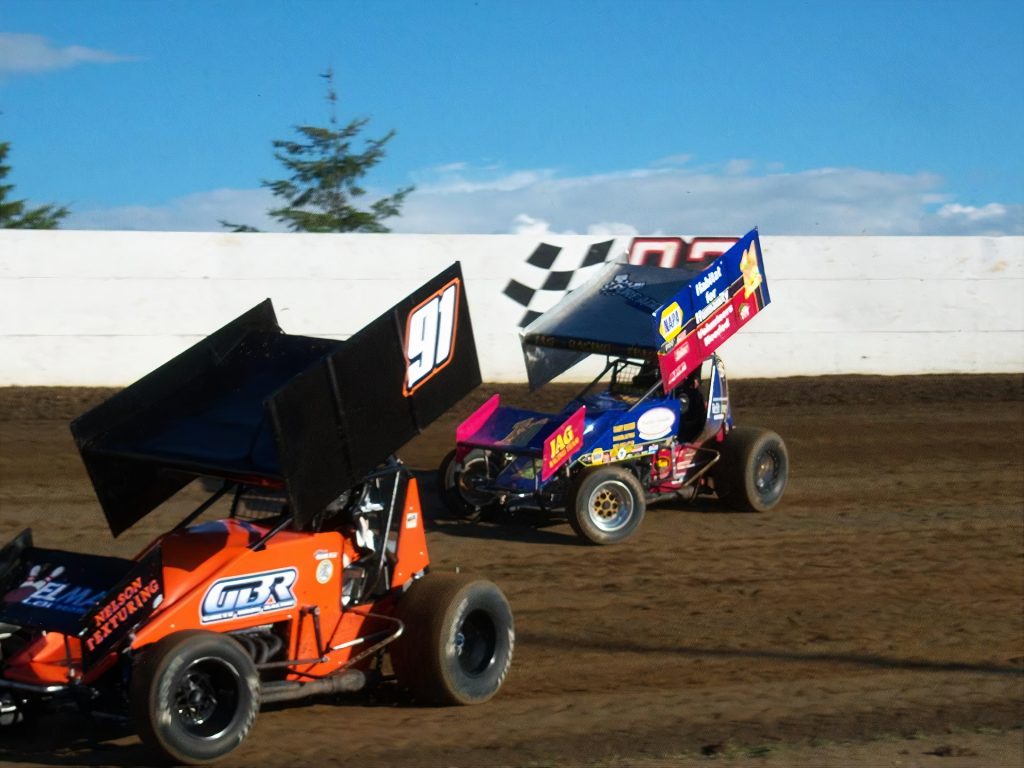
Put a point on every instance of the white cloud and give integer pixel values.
(524, 224)
(527, 225)
(681, 201)
(738, 167)
(455, 178)
(199, 212)
(970, 213)
(21, 53)
(665, 201)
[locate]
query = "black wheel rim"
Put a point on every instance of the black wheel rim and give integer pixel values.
(206, 697)
(476, 642)
(767, 472)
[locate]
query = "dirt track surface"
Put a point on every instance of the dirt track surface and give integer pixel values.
(881, 600)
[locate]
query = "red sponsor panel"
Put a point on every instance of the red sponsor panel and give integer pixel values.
(561, 444)
(696, 347)
(679, 361)
(736, 313)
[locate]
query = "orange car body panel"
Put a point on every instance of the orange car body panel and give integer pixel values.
(213, 580)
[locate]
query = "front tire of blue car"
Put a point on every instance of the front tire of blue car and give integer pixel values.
(753, 470)
(608, 505)
(194, 696)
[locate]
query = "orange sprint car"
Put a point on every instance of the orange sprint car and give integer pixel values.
(317, 572)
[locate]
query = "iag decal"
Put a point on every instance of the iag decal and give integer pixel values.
(430, 336)
(253, 593)
(563, 443)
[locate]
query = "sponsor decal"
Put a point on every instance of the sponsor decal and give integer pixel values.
(671, 322)
(430, 332)
(324, 571)
(744, 311)
(656, 423)
(751, 273)
(624, 432)
(130, 603)
(716, 329)
(42, 588)
(522, 432)
(124, 607)
(675, 364)
(562, 443)
(717, 303)
(411, 519)
(248, 595)
(323, 554)
(629, 291)
(708, 280)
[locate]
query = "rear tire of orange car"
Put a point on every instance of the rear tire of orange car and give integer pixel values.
(456, 647)
(607, 506)
(752, 473)
(194, 696)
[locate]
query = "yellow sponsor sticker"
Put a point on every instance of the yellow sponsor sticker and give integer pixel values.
(671, 321)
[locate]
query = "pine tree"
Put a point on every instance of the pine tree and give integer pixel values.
(13, 214)
(325, 178)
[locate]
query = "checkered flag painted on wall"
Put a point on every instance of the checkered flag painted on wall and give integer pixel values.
(549, 273)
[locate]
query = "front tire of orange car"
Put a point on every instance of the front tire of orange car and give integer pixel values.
(194, 696)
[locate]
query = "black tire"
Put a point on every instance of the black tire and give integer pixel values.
(457, 644)
(457, 485)
(194, 696)
(752, 472)
(608, 505)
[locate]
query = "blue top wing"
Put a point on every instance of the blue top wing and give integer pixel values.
(638, 311)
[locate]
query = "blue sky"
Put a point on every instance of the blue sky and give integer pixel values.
(586, 116)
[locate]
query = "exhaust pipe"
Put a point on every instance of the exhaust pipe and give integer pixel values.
(289, 690)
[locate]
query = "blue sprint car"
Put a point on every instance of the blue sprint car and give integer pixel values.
(656, 423)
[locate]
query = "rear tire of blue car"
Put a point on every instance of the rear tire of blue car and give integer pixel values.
(194, 696)
(607, 506)
(753, 470)
(456, 482)
(457, 639)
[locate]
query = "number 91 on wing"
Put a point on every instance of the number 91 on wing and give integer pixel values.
(430, 335)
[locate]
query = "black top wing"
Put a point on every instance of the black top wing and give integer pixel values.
(253, 404)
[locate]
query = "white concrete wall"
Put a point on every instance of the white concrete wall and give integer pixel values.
(103, 308)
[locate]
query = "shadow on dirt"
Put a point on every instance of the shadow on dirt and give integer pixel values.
(71, 738)
(524, 526)
(854, 659)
